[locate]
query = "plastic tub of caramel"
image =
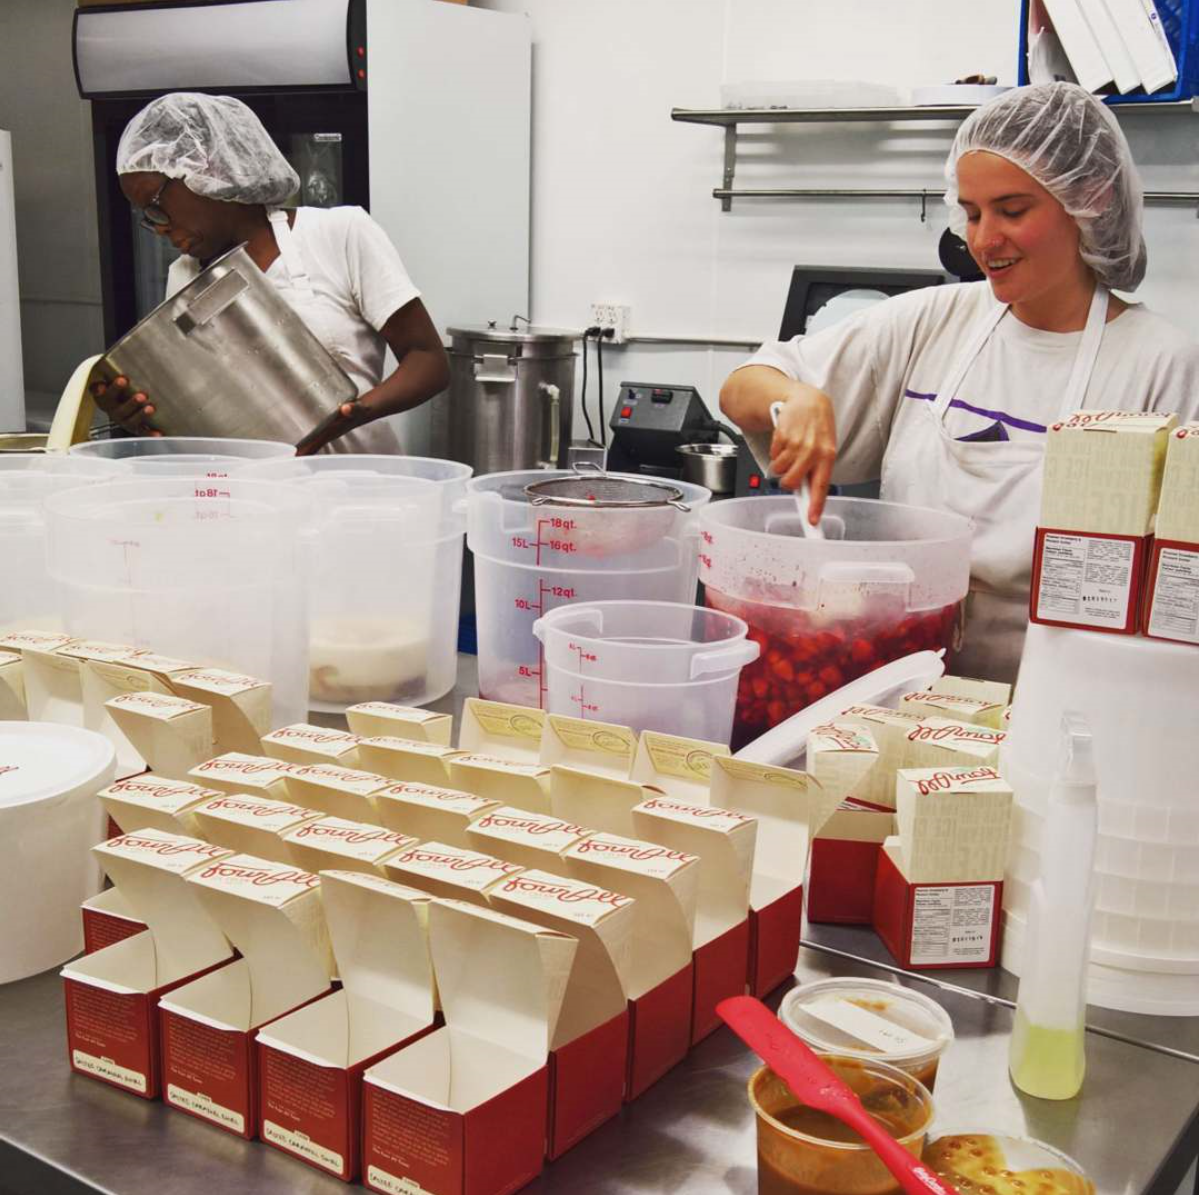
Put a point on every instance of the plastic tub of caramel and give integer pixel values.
(982, 1163)
(806, 1152)
(871, 1019)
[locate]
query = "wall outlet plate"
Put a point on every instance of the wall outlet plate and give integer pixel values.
(614, 316)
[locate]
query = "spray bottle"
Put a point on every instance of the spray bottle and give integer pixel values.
(1046, 1052)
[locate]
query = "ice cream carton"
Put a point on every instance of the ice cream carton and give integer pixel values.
(781, 799)
(975, 710)
(664, 884)
(241, 705)
(528, 839)
(302, 743)
(311, 1061)
(1170, 609)
(405, 759)
(372, 718)
(335, 843)
(337, 791)
(173, 735)
(679, 767)
(430, 813)
(589, 1048)
(602, 802)
(888, 730)
(599, 747)
(148, 802)
(512, 732)
(272, 913)
(463, 1110)
(54, 679)
(238, 773)
(12, 687)
(724, 841)
(943, 742)
(523, 785)
(112, 995)
(108, 919)
(34, 640)
(450, 872)
(1102, 473)
(250, 825)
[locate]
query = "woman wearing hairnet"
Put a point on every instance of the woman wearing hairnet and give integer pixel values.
(205, 174)
(945, 393)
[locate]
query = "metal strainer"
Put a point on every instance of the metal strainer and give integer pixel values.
(592, 487)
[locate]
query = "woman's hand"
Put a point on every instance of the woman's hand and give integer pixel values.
(804, 445)
(130, 408)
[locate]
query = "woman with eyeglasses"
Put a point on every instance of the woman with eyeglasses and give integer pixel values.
(206, 175)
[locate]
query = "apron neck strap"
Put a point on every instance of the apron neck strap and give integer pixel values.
(289, 251)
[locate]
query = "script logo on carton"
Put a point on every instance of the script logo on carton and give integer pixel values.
(354, 835)
(533, 826)
(234, 875)
(700, 813)
(310, 734)
(555, 890)
(244, 765)
(473, 871)
(253, 808)
(957, 780)
(137, 844)
(844, 738)
(956, 732)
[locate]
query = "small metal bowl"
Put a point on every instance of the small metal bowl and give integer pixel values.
(715, 466)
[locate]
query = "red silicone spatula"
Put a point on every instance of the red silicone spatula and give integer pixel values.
(817, 1086)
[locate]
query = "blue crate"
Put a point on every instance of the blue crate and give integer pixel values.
(1179, 19)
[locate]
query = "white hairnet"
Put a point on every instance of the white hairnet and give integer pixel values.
(1070, 144)
(213, 143)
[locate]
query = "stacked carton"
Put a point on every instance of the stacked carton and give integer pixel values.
(1171, 605)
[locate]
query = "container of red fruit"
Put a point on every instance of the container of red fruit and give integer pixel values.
(887, 580)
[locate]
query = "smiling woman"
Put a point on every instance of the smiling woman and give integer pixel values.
(945, 394)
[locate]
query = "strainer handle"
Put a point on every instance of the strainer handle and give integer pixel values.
(552, 394)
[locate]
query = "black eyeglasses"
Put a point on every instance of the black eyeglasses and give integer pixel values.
(154, 219)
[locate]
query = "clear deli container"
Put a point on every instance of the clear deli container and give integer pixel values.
(883, 1022)
(975, 1161)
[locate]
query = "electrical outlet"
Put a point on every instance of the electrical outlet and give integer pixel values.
(615, 316)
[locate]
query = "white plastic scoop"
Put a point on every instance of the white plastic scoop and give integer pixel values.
(801, 493)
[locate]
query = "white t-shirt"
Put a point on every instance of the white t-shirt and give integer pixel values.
(358, 282)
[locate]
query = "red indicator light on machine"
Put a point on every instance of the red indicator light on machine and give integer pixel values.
(626, 412)
(361, 52)
(362, 73)
(753, 481)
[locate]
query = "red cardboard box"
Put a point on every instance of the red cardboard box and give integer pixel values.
(108, 919)
(589, 1050)
(463, 1110)
(112, 995)
(312, 1061)
(272, 914)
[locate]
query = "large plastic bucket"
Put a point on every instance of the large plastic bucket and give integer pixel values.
(660, 666)
(886, 581)
(182, 456)
(530, 559)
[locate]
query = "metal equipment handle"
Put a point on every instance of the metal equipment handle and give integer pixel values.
(211, 303)
(552, 393)
(496, 368)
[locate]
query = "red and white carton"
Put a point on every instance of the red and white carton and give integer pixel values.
(371, 718)
(12, 687)
(678, 766)
(311, 1061)
(523, 785)
(590, 1047)
(463, 1110)
(150, 802)
(429, 813)
(337, 791)
(272, 913)
(659, 983)
(724, 842)
(405, 759)
(302, 743)
(112, 995)
(241, 705)
(333, 843)
(527, 839)
(512, 732)
(173, 735)
(847, 831)
(781, 800)
(107, 920)
(250, 825)
(603, 802)
(1102, 472)
(1170, 611)
(450, 872)
(888, 730)
(943, 742)
(974, 710)
(34, 640)
(238, 773)
(599, 747)
(53, 680)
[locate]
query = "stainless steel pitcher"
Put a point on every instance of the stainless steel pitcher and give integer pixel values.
(228, 356)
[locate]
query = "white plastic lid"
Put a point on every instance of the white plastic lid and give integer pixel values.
(875, 1019)
(41, 760)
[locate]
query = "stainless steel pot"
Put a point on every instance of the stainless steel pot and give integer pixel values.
(715, 466)
(509, 405)
(227, 356)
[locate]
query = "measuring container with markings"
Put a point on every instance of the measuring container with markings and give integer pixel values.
(184, 456)
(210, 570)
(662, 666)
(538, 550)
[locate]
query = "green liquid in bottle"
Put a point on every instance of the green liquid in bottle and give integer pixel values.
(1046, 1063)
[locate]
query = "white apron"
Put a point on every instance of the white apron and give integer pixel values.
(996, 484)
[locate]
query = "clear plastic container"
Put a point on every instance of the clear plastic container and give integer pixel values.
(530, 559)
(183, 456)
(206, 570)
(975, 1162)
(662, 666)
(907, 1030)
(886, 581)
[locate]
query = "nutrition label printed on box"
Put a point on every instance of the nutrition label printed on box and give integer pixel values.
(1085, 580)
(1174, 608)
(952, 924)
